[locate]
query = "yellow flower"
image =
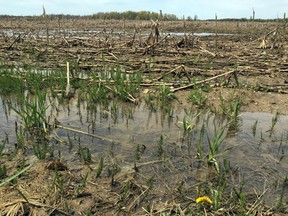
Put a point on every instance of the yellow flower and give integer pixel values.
(204, 199)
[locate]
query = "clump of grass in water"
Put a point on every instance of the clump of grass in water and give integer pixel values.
(33, 113)
(165, 96)
(139, 151)
(160, 150)
(189, 124)
(229, 108)
(254, 127)
(85, 154)
(274, 122)
(11, 82)
(4, 142)
(214, 146)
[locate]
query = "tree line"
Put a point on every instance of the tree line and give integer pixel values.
(127, 15)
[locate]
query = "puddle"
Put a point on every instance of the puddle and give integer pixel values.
(258, 155)
(86, 34)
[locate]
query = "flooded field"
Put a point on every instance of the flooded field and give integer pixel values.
(125, 122)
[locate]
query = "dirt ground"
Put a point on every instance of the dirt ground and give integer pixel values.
(254, 56)
(256, 50)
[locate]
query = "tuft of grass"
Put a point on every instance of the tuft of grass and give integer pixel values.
(33, 113)
(13, 177)
(85, 154)
(165, 96)
(214, 146)
(275, 119)
(3, 172)
(4, 142)
(58, 183)
(40, 149)
(100, 167)
(160, 150)
(254, 128)
(197, 97)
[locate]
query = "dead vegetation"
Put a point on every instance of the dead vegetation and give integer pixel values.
(181, 60)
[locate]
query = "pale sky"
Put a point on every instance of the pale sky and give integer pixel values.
(204, 9)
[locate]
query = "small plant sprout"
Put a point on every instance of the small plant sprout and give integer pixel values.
(275, 119)
(85, 154)
(100, 167)
(214, 146)
(160, 149)
(254, 127)
(197, 97)
(188, 125)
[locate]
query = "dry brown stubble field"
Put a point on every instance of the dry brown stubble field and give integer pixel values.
(180, 50)
(247, 59)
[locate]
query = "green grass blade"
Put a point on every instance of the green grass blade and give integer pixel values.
(15, 175)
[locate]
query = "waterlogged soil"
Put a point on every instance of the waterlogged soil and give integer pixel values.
(150, 165)
(180, 51)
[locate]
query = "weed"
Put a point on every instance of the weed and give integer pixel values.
(150, 101)
(4, 142)
(40, 149)
(114, 112)
(254, 127)
(112, 171)
(165, 96)
(70, 143)
(200, 147)
(58, 183)
(21, 141)
(11, 82)
(13, 177)
(111, 149)
(33, 113)
(196, 97)
(281, 203)
(187, 126)
(3, 172)
(160, 149)
(85, 154)
(82, 185)
(100, 167)
(214, 146)
(274, 122)
(241, 198)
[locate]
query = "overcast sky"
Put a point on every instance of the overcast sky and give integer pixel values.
(204, 9)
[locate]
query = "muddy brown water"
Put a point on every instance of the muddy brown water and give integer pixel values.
(259, 158)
